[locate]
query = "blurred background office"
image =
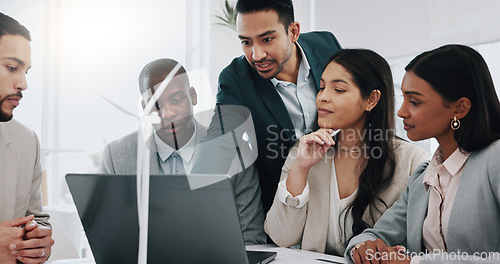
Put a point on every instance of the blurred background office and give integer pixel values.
(83, 50)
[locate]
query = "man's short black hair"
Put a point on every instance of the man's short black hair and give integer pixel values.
(284, 8)
(8, 25)
(157, 69)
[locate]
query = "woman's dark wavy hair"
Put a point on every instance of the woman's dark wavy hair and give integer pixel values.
(372, 72)
(456, 71)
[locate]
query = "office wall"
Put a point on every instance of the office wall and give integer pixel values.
(397, 28)
(84, 49)
(393, 28)
(104, 46)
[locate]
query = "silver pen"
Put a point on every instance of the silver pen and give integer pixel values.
(329, 261)
(335, 132)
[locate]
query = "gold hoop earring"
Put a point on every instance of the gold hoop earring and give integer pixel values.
(455, 123)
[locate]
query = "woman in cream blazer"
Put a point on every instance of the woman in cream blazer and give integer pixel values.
(308, 225)
(334, 188)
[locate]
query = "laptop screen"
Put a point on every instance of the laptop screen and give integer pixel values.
(185, 226)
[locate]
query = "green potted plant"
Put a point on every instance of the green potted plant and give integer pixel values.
(228, 19)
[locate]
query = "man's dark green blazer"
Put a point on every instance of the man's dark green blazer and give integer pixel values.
(240, 84)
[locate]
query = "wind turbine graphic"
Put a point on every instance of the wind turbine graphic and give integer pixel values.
(143, 156)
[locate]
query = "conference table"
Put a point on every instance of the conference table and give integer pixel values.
(285, 256)
(296, 256)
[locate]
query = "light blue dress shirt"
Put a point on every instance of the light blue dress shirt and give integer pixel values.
(172, 164)
(300, 98)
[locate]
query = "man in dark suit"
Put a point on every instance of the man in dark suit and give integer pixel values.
(277, 79)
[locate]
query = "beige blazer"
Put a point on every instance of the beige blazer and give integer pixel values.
(20, 173)
(308, 226)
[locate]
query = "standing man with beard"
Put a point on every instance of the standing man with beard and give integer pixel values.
(277, 79)
(25, 233)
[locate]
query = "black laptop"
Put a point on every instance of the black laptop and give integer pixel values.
(185, 226)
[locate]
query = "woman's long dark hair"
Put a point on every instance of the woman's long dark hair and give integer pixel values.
(456, 71)
(372, 72)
